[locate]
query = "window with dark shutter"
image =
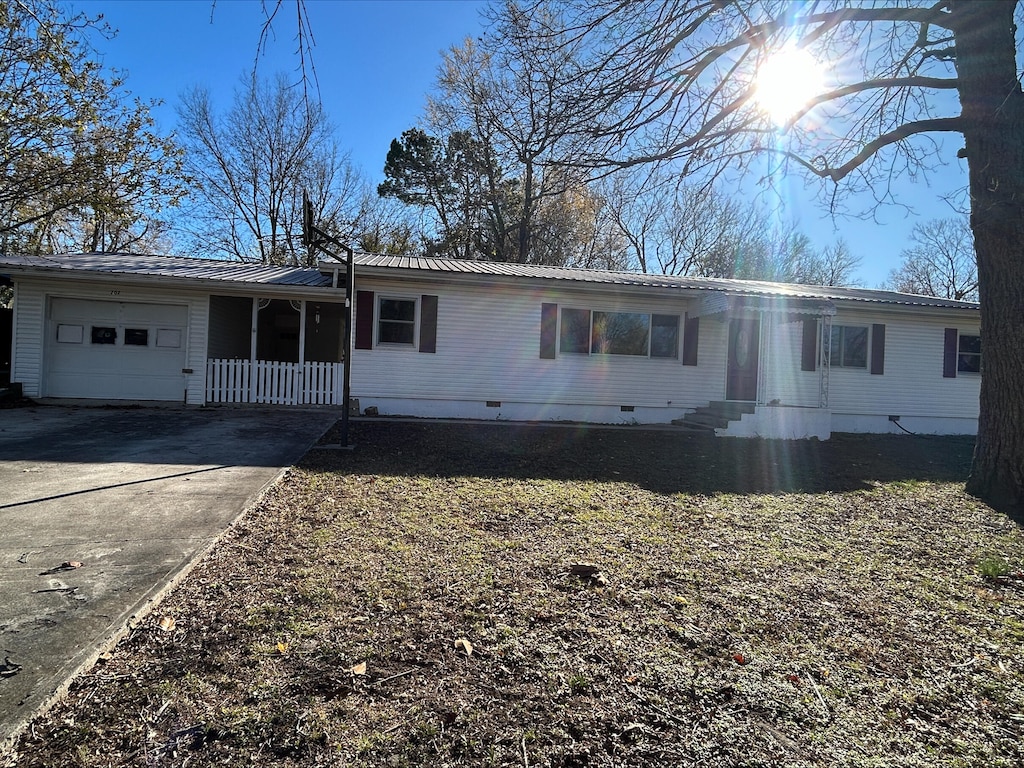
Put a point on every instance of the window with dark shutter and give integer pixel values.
(428, 324)
(878, 349)
(364, 319)
(548, 330)
(691, 332)
(809, 345)
(949, 354)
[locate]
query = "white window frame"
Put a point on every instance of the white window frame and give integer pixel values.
(590, 333)
(835, 353)
(959, 354)
(377, 320)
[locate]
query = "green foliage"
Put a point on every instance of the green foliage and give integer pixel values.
(993, 566)
(460, 183)
(83, 168)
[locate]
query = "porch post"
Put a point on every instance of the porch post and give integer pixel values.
(302, 332)
(252, 349)
(825, 360)
(764, 357)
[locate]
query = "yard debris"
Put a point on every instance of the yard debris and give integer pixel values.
(67, 565)
(167, 624)
(9, 668)
(462, 644)
(358, 669)
(589, 573)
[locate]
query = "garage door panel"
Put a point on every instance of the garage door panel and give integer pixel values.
(144, 362)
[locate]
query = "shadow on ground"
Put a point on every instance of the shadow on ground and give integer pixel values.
(660, 461)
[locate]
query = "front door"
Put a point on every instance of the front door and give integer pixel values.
(741, 377)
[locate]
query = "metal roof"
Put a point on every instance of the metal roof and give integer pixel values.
(177, 267)
(171, 267)
(591, 276)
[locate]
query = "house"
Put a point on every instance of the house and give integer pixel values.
(470, 339)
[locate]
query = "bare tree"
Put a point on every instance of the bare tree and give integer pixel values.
(940, 262)
(251, 166)
(523, 115)
(835, 264)
(672, 79)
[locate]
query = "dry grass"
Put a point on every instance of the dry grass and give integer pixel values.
(755, 603)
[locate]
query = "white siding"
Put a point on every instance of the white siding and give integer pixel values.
(912, 384)
(30, 326)
(784, 382)
(488, 349)
(26, 367)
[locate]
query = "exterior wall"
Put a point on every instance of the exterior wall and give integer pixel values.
(912, 386)
(783, 383)
(27, 362)
(31, 301)
(488, 349)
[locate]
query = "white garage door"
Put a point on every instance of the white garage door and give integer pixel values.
(115, 350)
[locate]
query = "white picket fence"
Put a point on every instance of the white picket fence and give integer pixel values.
(273, 383)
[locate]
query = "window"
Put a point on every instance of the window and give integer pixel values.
(968, 358)
(639, 334)
(665, 336)
(575, 334)
(70, 334)
(396, 321)
(103, 335)
(849, 346)
(136, 337)
(620, 333)
(168, 337)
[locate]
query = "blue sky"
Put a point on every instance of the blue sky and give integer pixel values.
(376, 61)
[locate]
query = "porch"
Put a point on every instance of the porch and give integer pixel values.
(777, 367)
(275, 351)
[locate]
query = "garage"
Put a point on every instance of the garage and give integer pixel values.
(115, 350)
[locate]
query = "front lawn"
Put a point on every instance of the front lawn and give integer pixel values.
(452, 595)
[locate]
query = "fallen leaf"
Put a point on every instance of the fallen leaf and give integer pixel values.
(794, 679)
(359, 669)
(282, 648)
(464, 645)
(166, 624)
(71, 564)
(740, 658)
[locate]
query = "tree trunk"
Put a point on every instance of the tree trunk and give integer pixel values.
(993, 110)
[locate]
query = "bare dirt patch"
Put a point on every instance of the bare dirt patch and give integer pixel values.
(468, 595)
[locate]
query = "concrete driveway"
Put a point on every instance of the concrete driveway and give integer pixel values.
(134, 495)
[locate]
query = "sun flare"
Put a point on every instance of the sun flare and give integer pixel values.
(786, 82)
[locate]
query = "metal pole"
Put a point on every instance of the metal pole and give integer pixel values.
(347, 373)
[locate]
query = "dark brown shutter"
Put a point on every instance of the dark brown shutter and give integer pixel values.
(364, 319)
(691, 331)
(878, 349)
(949, 354)
(548, 330)
(809, 347)
(428, 323)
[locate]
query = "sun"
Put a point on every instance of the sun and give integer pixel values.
(786, 82)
